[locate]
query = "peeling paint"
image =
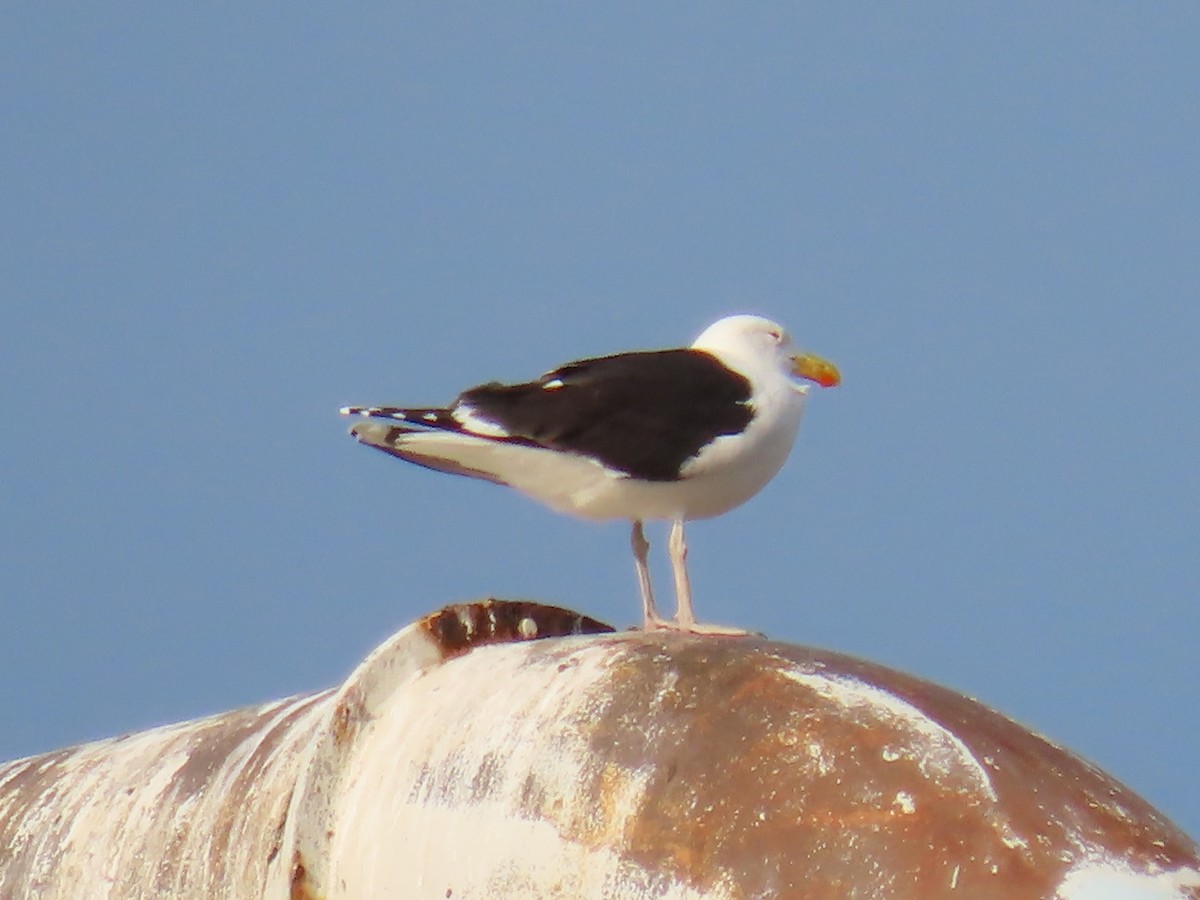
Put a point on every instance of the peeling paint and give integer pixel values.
(1108, 878)
(511, 750)
(941, 755)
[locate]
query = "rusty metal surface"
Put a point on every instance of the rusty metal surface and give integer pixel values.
(457, 629)
(462, 759)
(314, 821)
(190, 810)
(660, 765)
(201, 809)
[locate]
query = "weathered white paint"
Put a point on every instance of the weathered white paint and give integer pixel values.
(1112, 879)
(463, 759)
(187, 810)
(942, 756)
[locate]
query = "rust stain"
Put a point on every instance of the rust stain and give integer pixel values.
(458, 628)
(700, 762)
(277, 838)
(869, 817)
(301, 890)
(752, 766)
(347, 717)
(765, 680)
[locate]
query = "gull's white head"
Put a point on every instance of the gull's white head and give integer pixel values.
(755, 345)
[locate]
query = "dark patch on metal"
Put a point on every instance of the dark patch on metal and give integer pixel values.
(347, 716)
(756, 771)
(209, 745)
(488, 776)
(300, 886)
(460, 627)
(277, 839)
(27, 784)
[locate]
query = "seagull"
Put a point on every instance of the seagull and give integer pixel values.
(673, 435)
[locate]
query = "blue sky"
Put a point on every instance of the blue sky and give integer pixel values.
(220, 224)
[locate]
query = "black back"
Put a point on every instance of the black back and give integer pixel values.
(644, 414)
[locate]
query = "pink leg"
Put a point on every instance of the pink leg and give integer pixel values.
(641, 548)
(685, 615)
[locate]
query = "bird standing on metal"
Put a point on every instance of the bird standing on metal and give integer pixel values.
(677, 434)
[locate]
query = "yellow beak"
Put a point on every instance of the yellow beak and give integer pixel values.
(823, 372)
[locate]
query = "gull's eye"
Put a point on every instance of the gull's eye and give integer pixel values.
(776, 335)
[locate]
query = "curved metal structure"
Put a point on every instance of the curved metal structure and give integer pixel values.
(510, 750)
